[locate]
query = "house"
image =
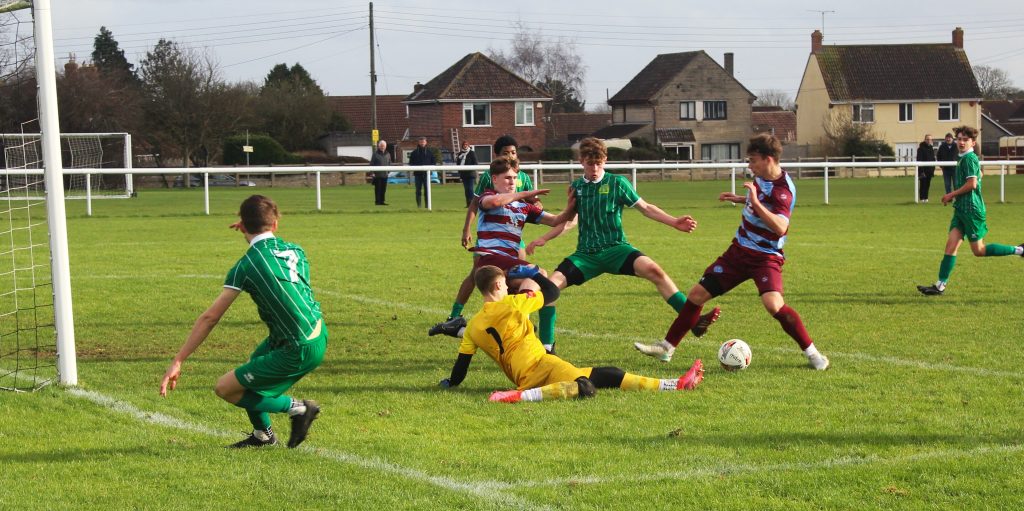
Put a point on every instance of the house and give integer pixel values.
(903, 91)
(391, 124)
(776, 121)
(478, 100)
(1000, 118)
(565, 129)
(687, 104)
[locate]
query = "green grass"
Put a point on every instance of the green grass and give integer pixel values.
(921, 409)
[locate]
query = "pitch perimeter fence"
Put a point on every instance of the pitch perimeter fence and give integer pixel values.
(559, 171)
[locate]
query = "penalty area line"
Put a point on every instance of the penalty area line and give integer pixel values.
(493, 491)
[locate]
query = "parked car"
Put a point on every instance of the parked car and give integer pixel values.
(215, 180)
(401, 178)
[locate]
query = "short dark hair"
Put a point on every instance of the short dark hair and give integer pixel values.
(593, 149)
(503, 142)
(948, 135)
(258, 213)
(503, 164)
(967, 131)
(486, 276)
(766, 145)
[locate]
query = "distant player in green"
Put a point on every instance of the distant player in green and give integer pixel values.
(968, 213)
(276, 274)
(602, 246)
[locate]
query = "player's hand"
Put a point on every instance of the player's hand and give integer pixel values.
(467, 239)
(531, 195)
(533, 246)
(170, 378)
(236, 226)
(946, 199)
(445, 383)
(730, 197)
(685, 223)
(570, 199)
(750, 186)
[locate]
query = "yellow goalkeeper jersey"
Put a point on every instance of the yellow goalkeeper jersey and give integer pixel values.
(503, 330)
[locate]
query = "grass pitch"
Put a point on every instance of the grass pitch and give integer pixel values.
(921, 409)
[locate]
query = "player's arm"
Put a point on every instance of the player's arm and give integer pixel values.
(685, 223)
(459, 371)
(779, 224)
(200, 330)
(557, 229)
(467, 235)
(500, 199)
(969, 186)
(732, 197)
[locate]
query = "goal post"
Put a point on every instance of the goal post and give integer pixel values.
(35, 289)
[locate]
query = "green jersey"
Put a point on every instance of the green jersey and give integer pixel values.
(523, 183)
(599, 206)
(966, 167)
(276, 274)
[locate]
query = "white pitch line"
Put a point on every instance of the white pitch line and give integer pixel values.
(739, 469)
(493, 491)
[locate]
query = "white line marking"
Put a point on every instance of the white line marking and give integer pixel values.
(493, 491)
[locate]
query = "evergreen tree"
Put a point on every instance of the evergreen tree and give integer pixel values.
(109, 58)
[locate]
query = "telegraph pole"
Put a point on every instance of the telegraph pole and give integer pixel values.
(373, 81)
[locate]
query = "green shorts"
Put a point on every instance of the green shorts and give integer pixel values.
(271, 371)
(972, 225)
(617, 260)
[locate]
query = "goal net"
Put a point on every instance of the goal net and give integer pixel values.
(36, 331)
(79, 151)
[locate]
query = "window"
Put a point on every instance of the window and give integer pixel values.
(714, 111)
(687, 110)
(718, 152)
(864, 112)
(483, 153)
(524, 113)
(476, 114)
(906, 112)
(949, 111)
(678, 152)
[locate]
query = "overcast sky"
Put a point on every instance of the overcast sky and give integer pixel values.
(615, 39)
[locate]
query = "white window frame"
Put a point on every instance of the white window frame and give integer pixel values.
(952, 108)
(859, 111)
(526, 107)
(711, 104)
(469, 114)
(732, 147)
(692, 109)
(906, 112)
(677, 146)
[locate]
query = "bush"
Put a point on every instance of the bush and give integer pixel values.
(859, 147)
(266, 151)
(558, 154)
(617, 154)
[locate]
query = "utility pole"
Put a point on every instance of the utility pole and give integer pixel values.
(373, 81)
(823, 13)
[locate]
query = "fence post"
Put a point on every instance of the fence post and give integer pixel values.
(634, 178)
(1002, 183)
(206, 192)
(430, 207)
(732, 178)
(318, 208)
(826, 182)
(536, 176)
(88, 194)
(917, 186)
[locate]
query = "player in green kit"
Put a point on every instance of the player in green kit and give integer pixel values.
(968, 213)
(275, 273)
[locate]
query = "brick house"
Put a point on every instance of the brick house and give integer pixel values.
(478, 100)
(688, 104)
(903, 91)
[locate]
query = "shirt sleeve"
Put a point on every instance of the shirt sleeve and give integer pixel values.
(467, 346)
(530, 301)
(628, 197)
(234, 278)
(781, 202)
(973, 168)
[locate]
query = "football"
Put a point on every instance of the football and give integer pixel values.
(734, 355)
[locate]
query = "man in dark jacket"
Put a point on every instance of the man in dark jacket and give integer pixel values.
(925, 152)
(380, 158)
(948, 152)
(421, 156)
(468, 177)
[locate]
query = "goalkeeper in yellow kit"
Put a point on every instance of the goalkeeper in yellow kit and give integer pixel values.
(503, 330)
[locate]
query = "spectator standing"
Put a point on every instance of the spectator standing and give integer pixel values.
(925, 152)
(380, 158)
(948, 152)
(468, 177)
(422, 155)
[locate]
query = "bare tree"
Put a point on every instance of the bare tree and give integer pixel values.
(551, 64)
(994, 83)
(774, 97)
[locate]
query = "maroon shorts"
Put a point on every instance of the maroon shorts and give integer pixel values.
(737, 265)
(504, 262)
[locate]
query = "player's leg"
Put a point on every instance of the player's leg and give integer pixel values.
(455, 320)
(689, 316)
(793, 325)
(643, 266)
(613, 377)
(953, 241)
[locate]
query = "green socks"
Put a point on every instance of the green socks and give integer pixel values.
(547, 324)
(260, 420)
(676, 301)
(256, 403)
(995, 249)
(946, 268)
(456, 310)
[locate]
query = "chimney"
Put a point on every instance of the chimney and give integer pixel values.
(71, 66)
(816, 38)
(418, 87)
(728, 63)
(958, 38)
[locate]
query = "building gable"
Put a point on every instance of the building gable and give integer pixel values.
(476, 77)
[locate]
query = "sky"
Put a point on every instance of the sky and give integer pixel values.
(417, 40)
